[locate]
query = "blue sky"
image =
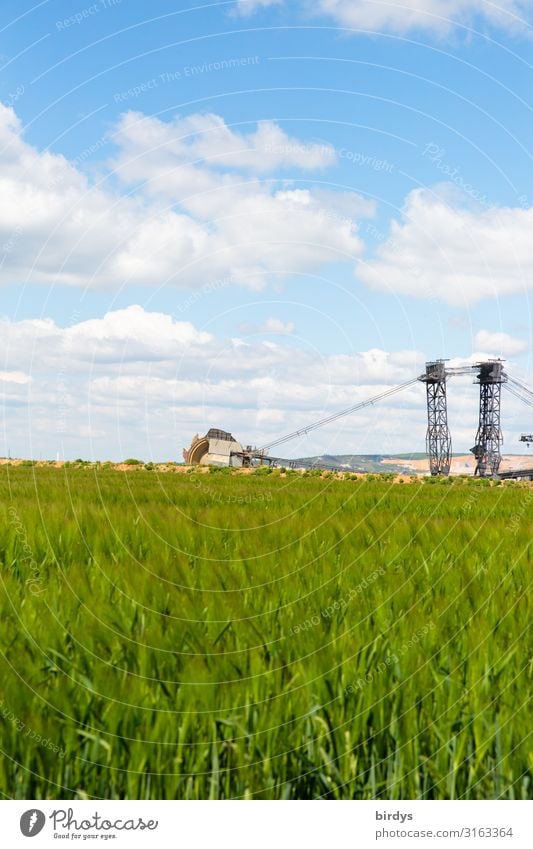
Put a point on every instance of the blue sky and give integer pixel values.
(251, 214)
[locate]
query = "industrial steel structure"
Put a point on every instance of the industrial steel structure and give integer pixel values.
(217, 448)
(438, 439)
(220, 448)
(489, 433)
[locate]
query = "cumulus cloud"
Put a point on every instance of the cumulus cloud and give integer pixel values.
(406, 15)
(123, 336)
(271, 325)
(185, 218)
(499, 344)
(190, 222)
(437, 15)
(207, 139)
(141, 383)
(443, 250)
(14, 377)
(275, 325)
(136, 382)
(248, 7)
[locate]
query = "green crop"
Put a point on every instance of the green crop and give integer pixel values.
(193, 636)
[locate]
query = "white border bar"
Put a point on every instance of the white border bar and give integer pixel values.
(283, 825)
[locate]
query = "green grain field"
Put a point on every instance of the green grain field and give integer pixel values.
(194, 636)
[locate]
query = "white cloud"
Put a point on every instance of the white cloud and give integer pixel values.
(207, 140)
(499, 344)
(406, 15)
(190, 223)
(14, 377)
(192, 219)
(271, 325)
(345, 205)
(138, 336)
(140, 383)
(275, 325)
(123, 336)
(438, 15)
(247, 7)
(440, 249)
(53, 228)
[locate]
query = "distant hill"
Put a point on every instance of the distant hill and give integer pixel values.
(366, 462)
(414, 463)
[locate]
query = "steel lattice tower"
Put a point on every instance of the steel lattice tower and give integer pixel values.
(438, 439)
(489, 435)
